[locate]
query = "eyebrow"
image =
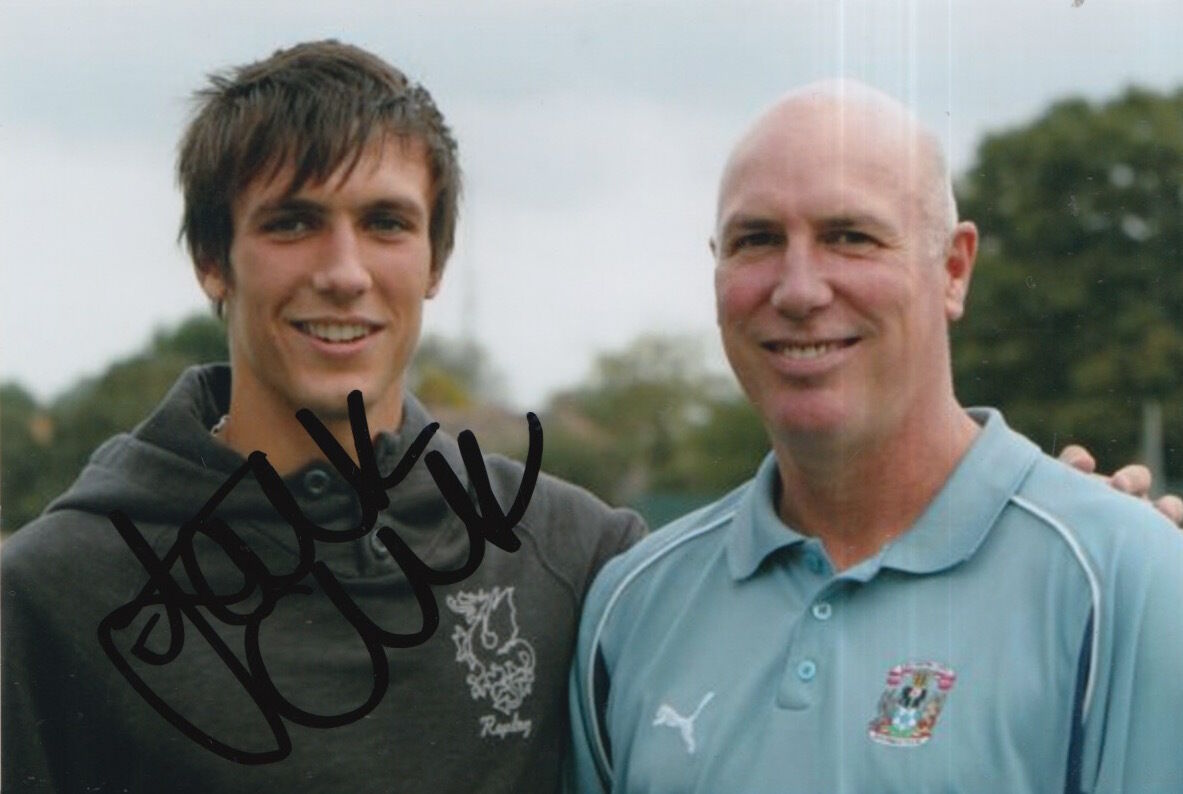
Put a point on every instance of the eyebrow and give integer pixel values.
(740, 224)
(856, 221)
(406, 207)
(748, 223)
(287, 204)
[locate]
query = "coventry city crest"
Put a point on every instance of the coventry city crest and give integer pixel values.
(911, 703)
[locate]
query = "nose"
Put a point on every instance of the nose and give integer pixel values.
(801, 287)
(342, 274)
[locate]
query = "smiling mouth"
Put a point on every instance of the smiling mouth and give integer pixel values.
(338, 333)
(809, 351)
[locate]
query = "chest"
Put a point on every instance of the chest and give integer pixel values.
(451, 682)
(847, 687)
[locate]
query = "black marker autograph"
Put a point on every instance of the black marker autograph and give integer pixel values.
(490, 524)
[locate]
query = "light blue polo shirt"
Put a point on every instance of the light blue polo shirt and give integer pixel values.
(1025, 635)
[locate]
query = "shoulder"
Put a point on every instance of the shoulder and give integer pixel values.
(75, 544)
(1042, 508)
(58, 538)
(61, 574)
(572, 530)
(1107, 524)
(557, 503)
(687, 541)
(76, 528)
(1126, 548)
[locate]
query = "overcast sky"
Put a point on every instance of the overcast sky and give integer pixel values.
(591, 133)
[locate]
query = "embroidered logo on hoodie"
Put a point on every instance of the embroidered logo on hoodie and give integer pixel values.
(500, 663)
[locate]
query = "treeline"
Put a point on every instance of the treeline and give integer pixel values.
(1075, 315)
(1075, 323)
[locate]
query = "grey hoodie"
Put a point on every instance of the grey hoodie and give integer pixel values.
(479, 706)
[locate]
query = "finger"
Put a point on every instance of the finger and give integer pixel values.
(1171, 506)
(1078, 457)
(1133, 479)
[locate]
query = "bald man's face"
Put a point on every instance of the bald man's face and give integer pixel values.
(832, 299)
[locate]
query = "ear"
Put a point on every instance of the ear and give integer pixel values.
(213, 283)
(433, 284)
(714, 248)
(959, 266)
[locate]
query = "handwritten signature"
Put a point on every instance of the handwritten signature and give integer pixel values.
(162, 590)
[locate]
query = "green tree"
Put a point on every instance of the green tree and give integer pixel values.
(453, 373)
(25, 434)
(724, 450)
(198, 339)
(650, 420)
(1075, 315)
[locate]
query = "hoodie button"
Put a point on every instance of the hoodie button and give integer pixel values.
(377, 545)
(316, 482)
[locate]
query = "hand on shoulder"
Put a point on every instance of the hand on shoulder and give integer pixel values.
(1134, 479)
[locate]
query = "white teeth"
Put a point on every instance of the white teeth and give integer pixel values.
(334, 332)
(808, 351)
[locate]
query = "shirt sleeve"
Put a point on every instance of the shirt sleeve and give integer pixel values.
(1134, 730)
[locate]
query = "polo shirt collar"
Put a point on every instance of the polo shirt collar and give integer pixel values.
(948, 531)
(756, 529)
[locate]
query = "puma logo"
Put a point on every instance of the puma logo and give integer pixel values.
(668, 716)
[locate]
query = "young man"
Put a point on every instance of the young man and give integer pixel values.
(908, 596)
(254, 624)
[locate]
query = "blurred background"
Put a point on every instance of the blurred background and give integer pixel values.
(592, 135)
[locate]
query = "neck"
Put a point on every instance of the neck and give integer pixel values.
(856, 495)
(276, 432)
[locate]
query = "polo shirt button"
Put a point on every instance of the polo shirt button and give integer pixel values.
(806, 670)
(822, 610)
(377, 545)
(813, 562)
(316, 482)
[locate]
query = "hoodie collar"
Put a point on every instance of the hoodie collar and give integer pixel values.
(166, 470)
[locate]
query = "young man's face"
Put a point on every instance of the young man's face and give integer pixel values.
(326, 288)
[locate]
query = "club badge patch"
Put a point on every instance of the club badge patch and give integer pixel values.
(911, 703)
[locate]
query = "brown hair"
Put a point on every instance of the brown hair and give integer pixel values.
(313, 106)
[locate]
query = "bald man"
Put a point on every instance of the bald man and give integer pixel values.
(908, 595)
